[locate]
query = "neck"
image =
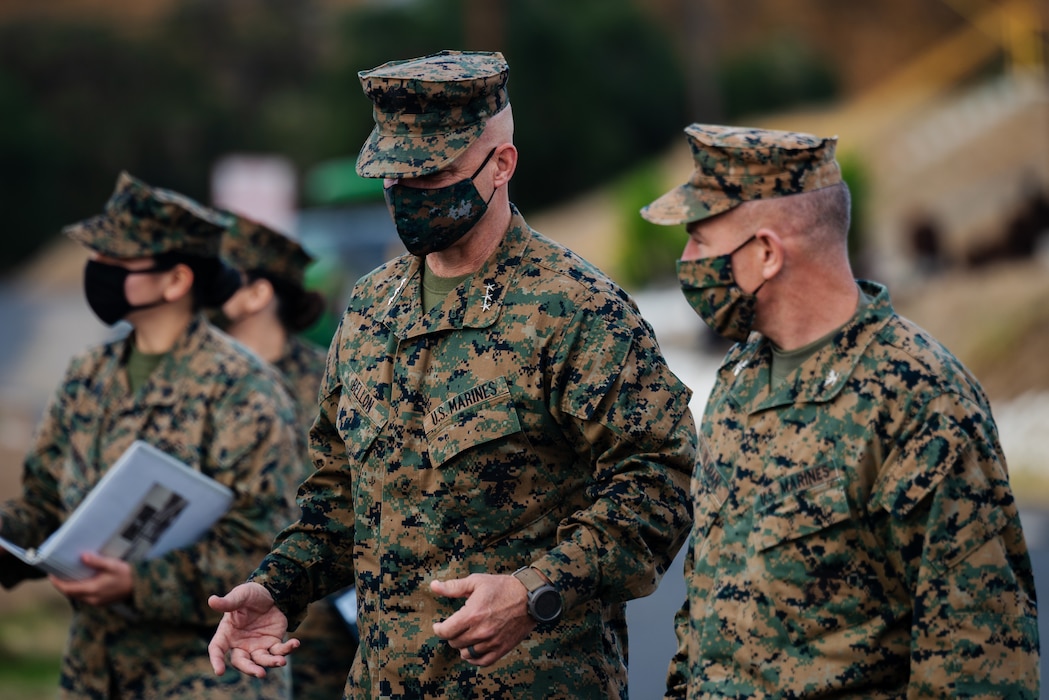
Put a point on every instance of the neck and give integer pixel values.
(262, 333)
(158, 329)
(469, 254)
(808, 314)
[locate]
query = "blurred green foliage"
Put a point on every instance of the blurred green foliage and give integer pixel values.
(32, 636)
(854, 172)
(648, 251)
(594, 87)
(780, 72)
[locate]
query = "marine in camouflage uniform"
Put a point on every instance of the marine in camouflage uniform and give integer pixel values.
(855, 533)
(259, 252)
(208, 403)
(527, 419)
(319, 667)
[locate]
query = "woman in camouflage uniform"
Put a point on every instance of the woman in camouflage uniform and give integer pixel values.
(265, 314)
(140, 629)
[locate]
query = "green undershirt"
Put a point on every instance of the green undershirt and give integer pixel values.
(784, 362)
(436, 288)
(139, 366)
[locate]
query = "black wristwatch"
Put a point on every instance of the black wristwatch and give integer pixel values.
(544, 601)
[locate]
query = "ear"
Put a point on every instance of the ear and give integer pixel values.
(180, 283)
(505, 158)
(258, 295)
(772, 252)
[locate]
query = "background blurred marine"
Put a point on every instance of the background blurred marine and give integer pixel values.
(502, 452)
(855, 531)
(140, 630)
(266, 314)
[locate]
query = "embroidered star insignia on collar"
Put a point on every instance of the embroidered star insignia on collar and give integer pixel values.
(487, 297)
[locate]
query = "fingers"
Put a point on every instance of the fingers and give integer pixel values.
(452, 588)
(233, 600)
(472, 655)
(247, 595)
(285, 648)
(223, 604)
(245, 662)
(253, 662)
(217, 654)
(483, 653)
(83, 589)
(236, 599)
(100, 563)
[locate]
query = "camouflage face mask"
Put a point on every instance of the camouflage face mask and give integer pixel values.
(711, 290)
(432, 219)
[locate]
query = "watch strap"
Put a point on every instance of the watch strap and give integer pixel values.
(531, 578)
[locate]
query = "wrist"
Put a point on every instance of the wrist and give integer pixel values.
(543, 602)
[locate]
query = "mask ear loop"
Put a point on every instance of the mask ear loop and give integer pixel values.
(742, 245)
(737, 249)
(482, 167)
(484, 163)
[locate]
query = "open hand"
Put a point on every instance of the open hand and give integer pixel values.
(251, 631)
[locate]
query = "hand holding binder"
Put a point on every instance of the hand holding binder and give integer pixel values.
(147, 504)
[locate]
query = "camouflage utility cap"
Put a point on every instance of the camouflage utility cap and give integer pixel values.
(253, 247)
(428, 110)
(736, 165)
(141, 221)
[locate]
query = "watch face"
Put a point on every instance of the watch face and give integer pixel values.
(547, 605)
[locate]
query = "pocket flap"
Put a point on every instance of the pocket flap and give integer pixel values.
(801, 513)
(478, 415)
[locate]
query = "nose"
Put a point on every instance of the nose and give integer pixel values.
(691, 251)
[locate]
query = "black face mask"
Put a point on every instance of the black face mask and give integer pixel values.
(104, 289)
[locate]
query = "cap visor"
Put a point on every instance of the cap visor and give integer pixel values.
(404, 155)
(678, 206)
(98, 234)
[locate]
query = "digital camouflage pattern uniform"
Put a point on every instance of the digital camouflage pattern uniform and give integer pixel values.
(209, 404)
(527, 419)
(302, 368)
(855, 533)
(321, 663)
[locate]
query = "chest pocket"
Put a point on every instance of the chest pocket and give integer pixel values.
(475, 417)
(800, 515)
(809, 565)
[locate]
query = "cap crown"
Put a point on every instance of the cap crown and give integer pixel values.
(428, 110)
(734, 165)
(143, 221)
(252, 247)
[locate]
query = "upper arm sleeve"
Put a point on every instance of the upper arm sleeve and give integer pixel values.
(958, 540)
(628, 416)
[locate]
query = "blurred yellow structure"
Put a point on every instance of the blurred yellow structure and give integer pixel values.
(940, 140)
